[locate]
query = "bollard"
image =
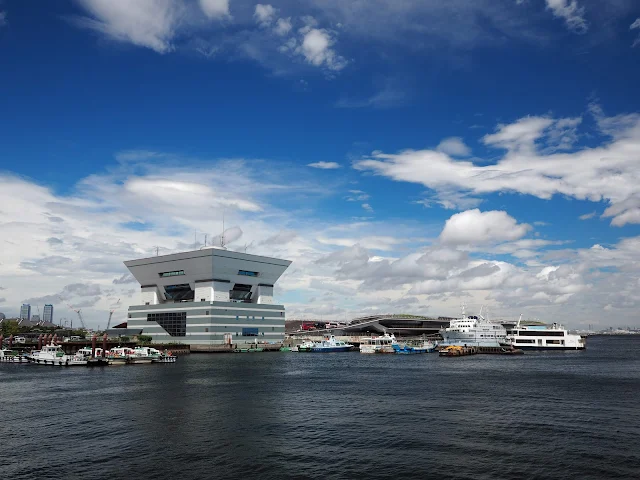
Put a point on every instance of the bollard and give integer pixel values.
(10, 341)
(40, 342)
(104, 345)
(93, 346)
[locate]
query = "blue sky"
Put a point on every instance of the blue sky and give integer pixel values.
(467, 140)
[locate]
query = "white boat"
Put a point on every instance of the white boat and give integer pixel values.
(54, 355)
(11, 356)
(154, 354)
(545, 337)
(474, 331)
(87, 352)
(330, 344)
(118, 355)
(383, 344)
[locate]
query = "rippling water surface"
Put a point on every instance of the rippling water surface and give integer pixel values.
(345, 415)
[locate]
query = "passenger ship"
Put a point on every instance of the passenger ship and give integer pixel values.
(474, 331)
(545, 337)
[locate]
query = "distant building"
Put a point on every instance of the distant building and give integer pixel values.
(25, 311)
(47, 314)
(2, 316)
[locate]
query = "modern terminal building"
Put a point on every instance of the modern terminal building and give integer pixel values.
(207, 297)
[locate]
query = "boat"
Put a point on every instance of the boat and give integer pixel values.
(53, 354)
(140, 355)
(118, 355)
(154, 354)
(474, 331)
(545, 337)
(383, 344)
(11, 356)
(425, 347)
(306, 346)
(330, 344)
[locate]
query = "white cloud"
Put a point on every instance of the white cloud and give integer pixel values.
(367, 207)
(264, 14)
(587, 216)
(571, 13)
(474, 227)
(316, 48)
(283, 26)
(454, 146)
(146, 23)
(635, 25)
(215, 8)
(324, 165)
(533, 166)
(357, 196)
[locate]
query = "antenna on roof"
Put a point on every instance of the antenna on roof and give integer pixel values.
(157, 250)
(222, 236)
(205, 239)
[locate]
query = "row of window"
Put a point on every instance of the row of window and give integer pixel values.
(174, 323)
(540, 333)
(175, 273)
(247, 273)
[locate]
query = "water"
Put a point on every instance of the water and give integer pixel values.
(345, 415)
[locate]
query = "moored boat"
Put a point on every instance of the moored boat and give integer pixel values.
(474, 331)
(406, 349)
(53, 354)
(384, 344)
(545, 337)
(330, 344)
(11, 356)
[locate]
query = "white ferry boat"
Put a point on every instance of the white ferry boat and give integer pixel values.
(545, 337)
(10, 356)
(383, 344)
(474, 331)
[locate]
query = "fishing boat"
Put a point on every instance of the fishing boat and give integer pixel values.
(425, 347)
(330, 344)
(383, 344)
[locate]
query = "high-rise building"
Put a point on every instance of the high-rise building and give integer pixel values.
(47, 314)
(25, 311)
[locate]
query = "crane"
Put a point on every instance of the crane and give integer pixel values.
(78, 312)
(111, 313)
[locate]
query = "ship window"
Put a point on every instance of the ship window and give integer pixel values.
(247, 273)
(172, 274)
(540, 333)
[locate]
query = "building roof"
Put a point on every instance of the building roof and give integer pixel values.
(207, 264)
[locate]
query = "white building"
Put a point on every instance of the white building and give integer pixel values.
(205, 296)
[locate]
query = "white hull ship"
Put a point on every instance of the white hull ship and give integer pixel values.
(544, 337)
(53, 354)
(383, 344)
(474, 331)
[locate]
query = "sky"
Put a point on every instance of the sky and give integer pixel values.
(408, 156)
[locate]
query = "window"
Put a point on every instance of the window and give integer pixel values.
(146, 303)
(249, 332)
(248, 273)
(206, 312)
(172, 274)
(203, 299)
(179, 293)
(174, 323)
(240, 293)
(540, 333)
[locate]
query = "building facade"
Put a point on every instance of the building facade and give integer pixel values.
(208, 297)
(47, 313)
(25, 312)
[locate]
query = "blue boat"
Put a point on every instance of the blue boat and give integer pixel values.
(330, 344)
(426, 347)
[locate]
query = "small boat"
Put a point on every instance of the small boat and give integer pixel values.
(11, 356)
(118, 355)
(330, 344)
(383, 344)
(425, 347)
(306, 346)
(53, 354)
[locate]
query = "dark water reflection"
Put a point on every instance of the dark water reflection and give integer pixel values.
(541, 415)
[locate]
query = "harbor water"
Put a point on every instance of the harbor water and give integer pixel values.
(343, 415)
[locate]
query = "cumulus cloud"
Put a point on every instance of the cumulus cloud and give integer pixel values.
(587, 216)
(283, 26)
(317, 49)
(454, 146)
(533, 165)
(367, 207)
(571, 13)
(146, 23)
(474, 227)
(264, 14)
(324, 165)
(215, 8)
(124, 279)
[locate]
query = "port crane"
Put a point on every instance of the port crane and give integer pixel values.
(78, 312)
(111, 313)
